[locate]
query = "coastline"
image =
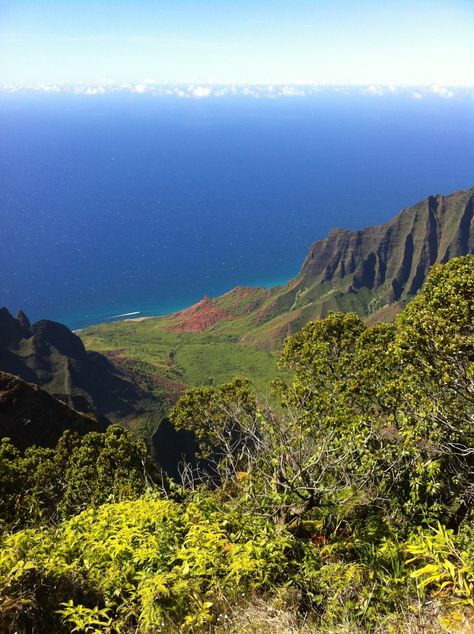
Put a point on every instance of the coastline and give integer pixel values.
(171, 310)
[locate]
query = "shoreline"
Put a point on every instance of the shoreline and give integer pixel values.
(268, 284)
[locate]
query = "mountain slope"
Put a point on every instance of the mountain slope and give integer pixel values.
(49, 355)
(31, 416)
(369, 269)
(373, 272)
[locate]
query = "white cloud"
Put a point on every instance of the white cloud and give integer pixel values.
(10, 88)
(89, 90)
(254, 91)
(292, 91)
(48, 88)
(200, 91)
(442, 91)
(376, 90)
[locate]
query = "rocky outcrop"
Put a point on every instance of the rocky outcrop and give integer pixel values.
(31, 416)
(49, 355)
(373, 272)
(392, 260)
(11, 330)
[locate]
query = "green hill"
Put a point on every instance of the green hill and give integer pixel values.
(373, 272)
(49, 355)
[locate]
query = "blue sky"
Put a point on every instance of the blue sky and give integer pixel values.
(268, 41)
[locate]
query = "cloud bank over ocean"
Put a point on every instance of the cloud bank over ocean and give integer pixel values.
(193, 90)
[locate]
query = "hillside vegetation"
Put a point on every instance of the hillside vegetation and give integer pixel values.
(49, 355)
(177, 360)
(348, 508)
(373, 272)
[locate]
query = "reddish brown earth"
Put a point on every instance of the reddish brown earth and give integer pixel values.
(172, 389)
(207, 312)
(199, 317)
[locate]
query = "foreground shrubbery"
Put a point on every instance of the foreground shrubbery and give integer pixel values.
(154, 565)
(44, 485)
(350, 506)
(149, 563)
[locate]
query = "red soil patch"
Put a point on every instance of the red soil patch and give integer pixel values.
(172, 389)
(199, 317)
(116, 354)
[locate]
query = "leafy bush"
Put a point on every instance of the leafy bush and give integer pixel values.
(445, 570)
(150, 563)
(45, 485)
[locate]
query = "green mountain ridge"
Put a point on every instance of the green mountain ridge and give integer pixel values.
(374, 272)
(31, 416)
(379, 266)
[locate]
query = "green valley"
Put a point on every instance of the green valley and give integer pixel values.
(177, 360)
(347, 508)
(372, 272)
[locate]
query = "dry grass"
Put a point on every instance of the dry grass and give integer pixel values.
(268, 617)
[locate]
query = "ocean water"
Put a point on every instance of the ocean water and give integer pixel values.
(116, 204)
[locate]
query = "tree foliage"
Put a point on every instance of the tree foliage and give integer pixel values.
(45, 485)
(377, 422)
(353, 495)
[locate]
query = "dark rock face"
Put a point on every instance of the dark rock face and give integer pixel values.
(31, 416)
(403, 250)
(49, 355)
(52, 334)
(388, 263)
(11, 330)
(172, 448)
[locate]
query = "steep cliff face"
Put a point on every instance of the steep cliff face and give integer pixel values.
(392, 260)
(49, 355)
(31, 416)
(372, 272)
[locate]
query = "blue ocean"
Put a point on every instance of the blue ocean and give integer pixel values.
(120, 203)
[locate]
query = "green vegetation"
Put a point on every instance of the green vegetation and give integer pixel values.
(348, 508)
(182, 359)
(43, 486)
(149, 563)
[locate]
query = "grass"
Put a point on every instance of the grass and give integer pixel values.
(270, 616)
(190, 359)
